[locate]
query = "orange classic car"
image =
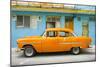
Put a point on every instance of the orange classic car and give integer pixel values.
(53, 40)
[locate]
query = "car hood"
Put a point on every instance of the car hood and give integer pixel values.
(33, 37)
(29, 38)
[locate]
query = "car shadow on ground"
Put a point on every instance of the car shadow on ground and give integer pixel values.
(57, 54)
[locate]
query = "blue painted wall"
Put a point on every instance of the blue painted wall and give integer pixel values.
(92, 31)
(77, 26)
(22, 32)
(91, 28)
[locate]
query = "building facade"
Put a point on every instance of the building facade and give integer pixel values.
(32, 18)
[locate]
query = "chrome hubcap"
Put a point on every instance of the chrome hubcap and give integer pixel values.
(29, 51)
(75, 50)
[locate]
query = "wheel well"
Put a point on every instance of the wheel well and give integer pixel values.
(78, 47)
(29, 45)
(73, 47)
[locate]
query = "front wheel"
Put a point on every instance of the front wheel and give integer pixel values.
(29, 51)
(75, 50)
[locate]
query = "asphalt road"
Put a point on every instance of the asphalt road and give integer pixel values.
(19, 59)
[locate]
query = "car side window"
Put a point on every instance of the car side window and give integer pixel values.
(69, 34)
(65, 34)
(62, 34)
(51, 34)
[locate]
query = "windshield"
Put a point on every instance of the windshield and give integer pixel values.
(74, 34)
(42, 33)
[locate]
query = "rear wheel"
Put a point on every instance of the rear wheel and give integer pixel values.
(29, 51)
(75, 50)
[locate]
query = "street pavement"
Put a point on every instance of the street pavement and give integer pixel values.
(17, 58)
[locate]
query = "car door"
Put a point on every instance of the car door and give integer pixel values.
(49, 43)
(65, 40)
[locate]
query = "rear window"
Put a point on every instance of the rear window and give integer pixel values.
(65, 34)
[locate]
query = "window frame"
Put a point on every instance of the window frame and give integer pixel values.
(55, 34)
(53, 19)
(65, 34)
(22, 26)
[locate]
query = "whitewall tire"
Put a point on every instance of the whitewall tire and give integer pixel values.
(75, 50)
(29, 51)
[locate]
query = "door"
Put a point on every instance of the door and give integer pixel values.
(85, 29)
(49, 43)
(65, 40)
(69, 22)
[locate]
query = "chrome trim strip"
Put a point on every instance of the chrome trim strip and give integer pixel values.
(31, 43)
(70, 43)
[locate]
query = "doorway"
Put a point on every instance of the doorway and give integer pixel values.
(52, 21)
(69, 22)
(85, 28)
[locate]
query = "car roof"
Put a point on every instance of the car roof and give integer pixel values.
(59, 29)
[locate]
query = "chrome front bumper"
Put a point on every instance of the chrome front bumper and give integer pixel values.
(19, 50)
